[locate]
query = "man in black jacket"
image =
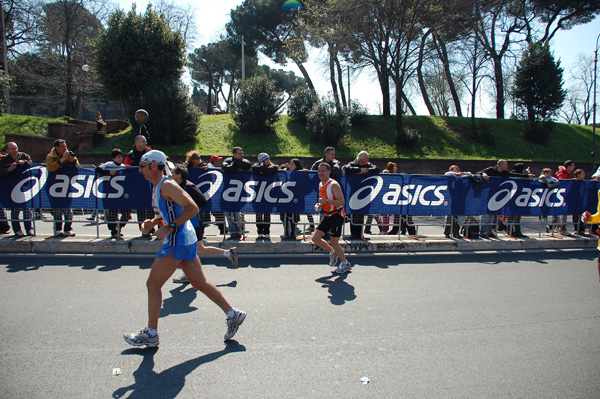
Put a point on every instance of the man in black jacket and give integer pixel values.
(233, 164)
(266, 168)
(360, 166)
(500, 170)
(334, 164)
(9, 163)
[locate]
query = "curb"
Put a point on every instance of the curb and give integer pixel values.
(251, 245)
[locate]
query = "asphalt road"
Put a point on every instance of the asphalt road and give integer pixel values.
(475, 325)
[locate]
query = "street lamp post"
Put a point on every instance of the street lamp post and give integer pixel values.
(594, 121)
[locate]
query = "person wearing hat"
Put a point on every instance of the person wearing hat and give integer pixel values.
(596, 175)
(176, 208)
(264, 167)
(234, 164)
(215, 162)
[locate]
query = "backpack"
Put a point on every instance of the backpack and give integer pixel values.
(470, 228)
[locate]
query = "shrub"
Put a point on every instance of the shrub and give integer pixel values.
(358, 114)
(407, 138)
(326, 125)
(539, 132)
(301, 103)
(255, 108)
(174, 118)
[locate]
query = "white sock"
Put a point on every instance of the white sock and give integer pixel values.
(151, 332)
(226, 253)
(231, 313)
(332, 252)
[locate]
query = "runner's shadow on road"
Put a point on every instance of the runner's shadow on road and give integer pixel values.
(340, 291)
(180, 301)
(168, 383)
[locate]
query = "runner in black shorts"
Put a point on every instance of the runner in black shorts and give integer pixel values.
(331, 202)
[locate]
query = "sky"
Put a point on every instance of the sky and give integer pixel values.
(211, 17)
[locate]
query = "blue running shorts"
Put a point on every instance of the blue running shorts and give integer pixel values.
(187, 252)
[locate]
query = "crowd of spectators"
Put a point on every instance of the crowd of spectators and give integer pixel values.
(232, 223)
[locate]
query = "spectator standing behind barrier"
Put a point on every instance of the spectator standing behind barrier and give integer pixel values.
(180, 174)
(112, 215)
(140, 147)
(451, 225)
(334, 164)
(578, 225)
(233, 164)
(500, 170)
(360, 166)
(266, 168)
(564, 172)
(216, 163)
(4, 226)
(513, 222)
(9, 163)
(193, 160)
(58, 157)
(290, 220)
(391, 167)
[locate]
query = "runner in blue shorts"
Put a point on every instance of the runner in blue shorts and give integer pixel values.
(176, 208)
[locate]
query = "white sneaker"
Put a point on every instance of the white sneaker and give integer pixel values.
(333, 259)
(233, 257)
(142, 338)
(234, 323)
(344, 267)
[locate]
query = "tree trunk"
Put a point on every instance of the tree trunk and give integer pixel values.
(336, 96)
(498, 76)
(341, 82)
(421, 80)
(384, 83)
(306, 76)
(408, 104)
(443, 53)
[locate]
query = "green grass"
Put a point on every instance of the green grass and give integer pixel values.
(440, 138)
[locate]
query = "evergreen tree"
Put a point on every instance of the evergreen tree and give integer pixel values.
(538, 85)
(140, 61)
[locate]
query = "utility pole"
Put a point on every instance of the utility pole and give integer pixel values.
(243, 61)
(594, 121)
(6, 90)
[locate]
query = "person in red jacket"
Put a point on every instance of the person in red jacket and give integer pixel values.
(564, 172)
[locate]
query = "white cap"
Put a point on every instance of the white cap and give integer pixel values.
(159, 157)
(597, 174)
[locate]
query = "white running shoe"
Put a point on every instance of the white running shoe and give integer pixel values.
(234, 323)
(142, 338)
(333, 258)
(344, 267)
(233, 257)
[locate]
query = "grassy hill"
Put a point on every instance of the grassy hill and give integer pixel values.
(440, 138)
